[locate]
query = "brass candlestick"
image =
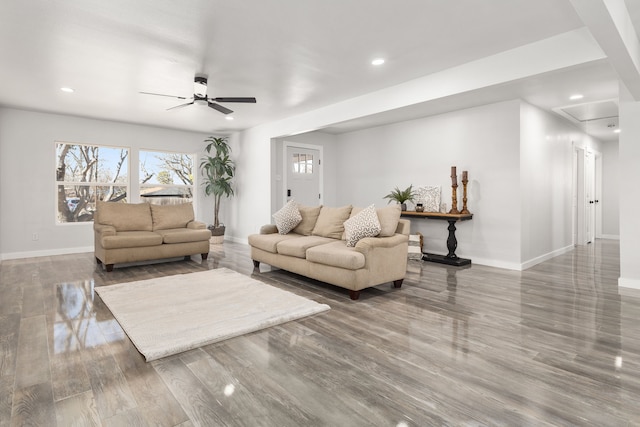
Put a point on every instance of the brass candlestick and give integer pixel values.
(454, 191)
(465, 179)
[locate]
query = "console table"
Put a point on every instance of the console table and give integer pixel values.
(452, 243)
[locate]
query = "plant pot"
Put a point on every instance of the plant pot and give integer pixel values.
(403, 207)
(217, 234)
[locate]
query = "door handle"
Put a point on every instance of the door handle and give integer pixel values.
(289, 193)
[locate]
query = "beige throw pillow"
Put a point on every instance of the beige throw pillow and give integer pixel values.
(287, 217)
(389, 217)
(309, 217)
(330, 222)
(364, 224)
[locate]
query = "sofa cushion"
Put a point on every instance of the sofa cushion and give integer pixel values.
(364, 224)
(389, 217)
(269, 242)
(287, 217)
(125, 216)
(336, 254)
(330, 222)
(131, 239)
(298, 247)
(309, 218)
(184, 235)
(165, 217)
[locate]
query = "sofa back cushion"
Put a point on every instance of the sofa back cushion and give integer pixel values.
(309, 218)
(166, 217)
(330, 222)
(125, 216)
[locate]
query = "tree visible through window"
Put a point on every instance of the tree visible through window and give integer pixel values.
(166, 178)
(86, 174)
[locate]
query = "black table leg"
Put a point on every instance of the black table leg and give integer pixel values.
(452, 243)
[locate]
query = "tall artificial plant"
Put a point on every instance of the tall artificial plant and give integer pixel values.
(218, 170)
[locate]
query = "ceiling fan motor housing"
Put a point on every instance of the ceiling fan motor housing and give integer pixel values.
(200, 87)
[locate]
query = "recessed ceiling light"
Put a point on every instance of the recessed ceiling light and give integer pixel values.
(228, 117)
(377, 61)
(616, 131)
(576, 97)
(67, 89)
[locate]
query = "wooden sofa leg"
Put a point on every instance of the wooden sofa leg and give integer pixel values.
(98, 261)
(204, 256)
(109, 267)
(354, 295)
(256, 264)
(397, 283)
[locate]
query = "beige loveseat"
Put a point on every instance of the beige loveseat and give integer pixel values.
(125, 232)
(318, 248)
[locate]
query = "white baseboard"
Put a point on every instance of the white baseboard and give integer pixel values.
(496, 264)
(49, 252)
(545, 257)
(628, 283)
(610, 236)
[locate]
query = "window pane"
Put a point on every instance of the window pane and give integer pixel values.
(91, 163)
(166, 168)
(77, 203)
(166, 195)
(302, 163)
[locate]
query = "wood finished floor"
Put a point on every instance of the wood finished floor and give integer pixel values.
(555, 345)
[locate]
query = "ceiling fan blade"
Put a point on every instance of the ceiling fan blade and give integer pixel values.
(161, 94)
(248, 100)
(180, 106)
(223, 110)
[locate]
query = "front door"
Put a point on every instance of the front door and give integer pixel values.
(303, 175)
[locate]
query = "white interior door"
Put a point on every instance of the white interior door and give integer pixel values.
(303, 175)
(590, 212)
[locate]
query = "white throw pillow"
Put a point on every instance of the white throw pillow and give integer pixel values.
(364, 224)
(287, 217)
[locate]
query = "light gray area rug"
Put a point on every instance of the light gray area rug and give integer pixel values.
(172, 314)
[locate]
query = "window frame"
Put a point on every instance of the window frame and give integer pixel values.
(126, 184)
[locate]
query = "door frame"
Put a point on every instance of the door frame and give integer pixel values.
(580, 203)
(288, 144)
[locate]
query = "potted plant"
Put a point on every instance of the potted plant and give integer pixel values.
(218, 170)
(401, 196)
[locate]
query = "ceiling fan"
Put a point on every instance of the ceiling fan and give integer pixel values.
(200, 97)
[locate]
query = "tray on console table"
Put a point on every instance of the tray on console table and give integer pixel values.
(452, 243)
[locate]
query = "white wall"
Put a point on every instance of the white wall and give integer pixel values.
(611, 190)
(630, 200)
(546, 143)
(27, 175)
(483, 140)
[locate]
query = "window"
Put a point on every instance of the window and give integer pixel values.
(303, 163)
(166, 178)
(86, 174)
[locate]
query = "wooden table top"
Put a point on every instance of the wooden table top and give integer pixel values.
(437, 215)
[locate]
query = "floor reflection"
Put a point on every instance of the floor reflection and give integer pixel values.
(77, 324)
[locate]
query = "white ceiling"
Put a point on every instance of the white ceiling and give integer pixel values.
(294, 56)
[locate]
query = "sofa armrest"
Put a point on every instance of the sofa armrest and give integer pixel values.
(196, 225)
(104, 230)
(268, 229)
(368, 243)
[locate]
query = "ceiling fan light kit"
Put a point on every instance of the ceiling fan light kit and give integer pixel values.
(200, 97)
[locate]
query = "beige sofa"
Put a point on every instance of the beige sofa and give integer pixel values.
(126, 232)
(318, 248)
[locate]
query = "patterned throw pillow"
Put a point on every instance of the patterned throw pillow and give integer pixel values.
(287, 218)
(364, 224)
